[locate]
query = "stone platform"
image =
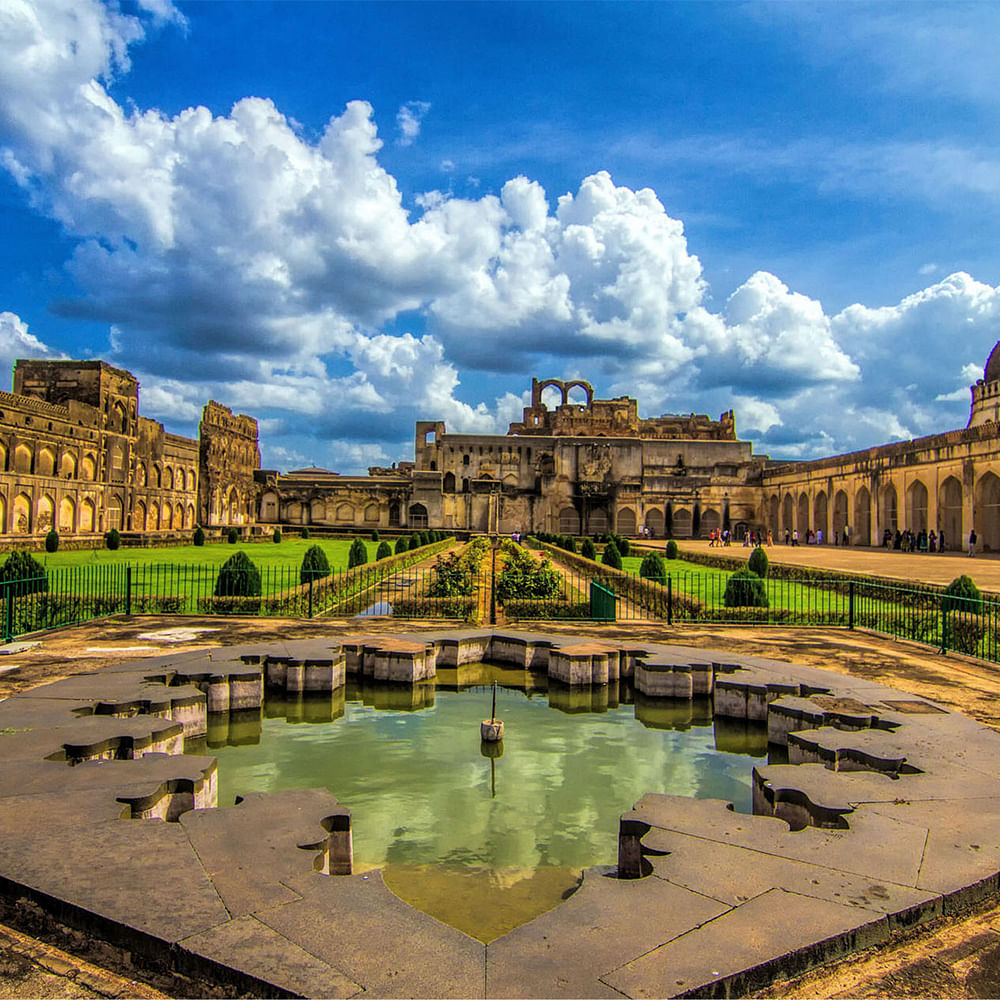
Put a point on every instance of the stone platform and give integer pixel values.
(888, 815)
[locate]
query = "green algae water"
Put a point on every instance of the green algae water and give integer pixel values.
(485, 836)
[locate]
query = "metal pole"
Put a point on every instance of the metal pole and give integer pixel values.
(128, 590)
(670, 600)
(850, 604)
(493, 584)
(310, 595)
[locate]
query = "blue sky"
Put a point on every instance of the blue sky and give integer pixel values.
(341, 218)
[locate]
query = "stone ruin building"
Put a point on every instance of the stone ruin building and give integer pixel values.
(76, 455)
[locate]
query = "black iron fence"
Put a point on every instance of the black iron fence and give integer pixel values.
(588, 592)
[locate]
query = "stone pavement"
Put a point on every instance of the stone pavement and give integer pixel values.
(903, 830)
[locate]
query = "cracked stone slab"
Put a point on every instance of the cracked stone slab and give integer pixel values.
(355, 924)
(740, 950)
(603, 924)
(259, 952)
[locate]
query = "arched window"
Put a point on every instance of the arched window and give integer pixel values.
(655, 522)
(345, 513)
(916, 506)
(394, 515)
(861, 529)
(139, 517)
(371, 513)
(45, 464)
(88, 468)
(820, 515)
(67, 515)
(950, 513)
(448, 483)
(67, 465)
(569, 521)
(417, 516)
(46, 514)
(626, 521)
(88, 518)
(22, 458)
(114, 513)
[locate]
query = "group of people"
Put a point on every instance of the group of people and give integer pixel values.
(919, 541)
(717, 539)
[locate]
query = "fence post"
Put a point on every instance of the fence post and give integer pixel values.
(493, 583)
(310, 595)
(850, 604)
(128, 590)
(944, 628)
(8, 627)
(670, 600)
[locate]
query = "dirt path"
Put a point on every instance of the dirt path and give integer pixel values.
(952, 958)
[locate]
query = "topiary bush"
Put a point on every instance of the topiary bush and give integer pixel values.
(402, 544)
(672, 551)
(198, 538)
(305, 533)
(232, 536)
(612, 557)
(52, 540)
(758, 562)
(314, 566)
(27, 571)
(652, 568)
(588, 549)
(384, 550)
(276, 537)
(358, 555)
(570, 545)
(745, 589)
(113, 539)
(375, 537)
(238, 577)
(415, 542)
(962, 595)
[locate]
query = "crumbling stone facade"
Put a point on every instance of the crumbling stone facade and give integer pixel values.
(75, 454)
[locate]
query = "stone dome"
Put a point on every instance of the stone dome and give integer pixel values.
(992, 373)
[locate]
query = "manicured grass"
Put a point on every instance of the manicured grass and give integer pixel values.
(287, 553)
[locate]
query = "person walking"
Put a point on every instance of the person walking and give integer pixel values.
(972, 542)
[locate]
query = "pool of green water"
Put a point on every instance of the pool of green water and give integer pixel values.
(483, 836)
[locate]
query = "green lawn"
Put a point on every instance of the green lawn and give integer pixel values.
(287, 553)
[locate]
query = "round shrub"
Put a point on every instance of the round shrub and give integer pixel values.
(612, 557)
(276, 537)
(745, 589)
(113, 539)
(672, 552)
(358, 555)
(198, 538)
(238, 577)
(570, 545)
(414, 542)
(588, 549)
(652, 568)
(758, 562)
(375, 537)
(962, 595)
(622, 545)
(27, 571)
(233, 536)
(305, 533)
(52, 540)
(402, 544)
(314, 566)
(384, 550)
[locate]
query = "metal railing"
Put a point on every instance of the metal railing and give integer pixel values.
(586, 593)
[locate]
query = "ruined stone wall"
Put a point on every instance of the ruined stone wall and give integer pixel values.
(229, 456)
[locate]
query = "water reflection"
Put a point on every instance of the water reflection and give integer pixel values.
(450, 817)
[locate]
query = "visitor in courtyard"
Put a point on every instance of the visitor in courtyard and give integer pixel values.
(941, 541)
(972, 542)
(770, 537)
(819, 537)
(847, 534)
(795, 538)
(932, 541)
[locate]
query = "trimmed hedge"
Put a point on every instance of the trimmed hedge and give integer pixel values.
(541, 609)
(435, 607)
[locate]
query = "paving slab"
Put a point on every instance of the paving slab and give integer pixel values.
(269, 959)
(604, 924)
(744, 948)
(356, 925)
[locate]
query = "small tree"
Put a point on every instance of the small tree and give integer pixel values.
(612, 557)
(672, 551)
(588, 549)
(305, 533)
(570, 545)
(668, 519)
(238, 577)
(745, 589)
(358, 555)
(276, 537)
(622, 545)
(384, 550)
(52, 540)
(198, 538)
(962, 595)
(415, 541)
(28, 572)
(652, 568)
(314, 566)
(402, 544)
(375, 537)
(233, 536)
(696, 521)
(113, 539)
(758, 562)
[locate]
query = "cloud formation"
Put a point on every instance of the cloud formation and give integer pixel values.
(233, 256)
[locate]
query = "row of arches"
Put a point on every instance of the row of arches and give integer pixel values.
(682, 521)
(44, 461)
(869, 517)
(72, 516)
